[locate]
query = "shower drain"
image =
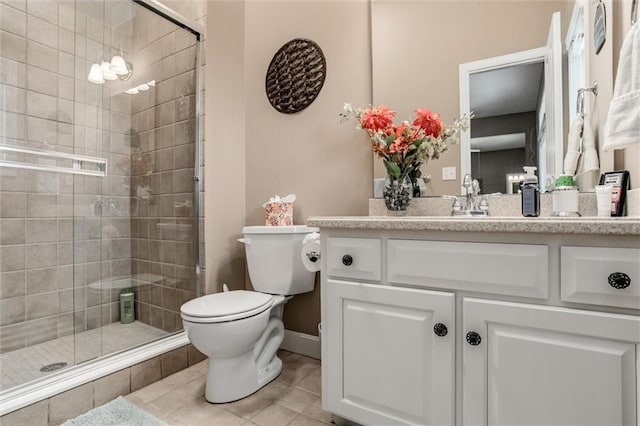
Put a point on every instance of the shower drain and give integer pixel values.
(53, 367)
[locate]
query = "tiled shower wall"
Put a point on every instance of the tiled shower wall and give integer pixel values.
(58, 235)
(162, 174)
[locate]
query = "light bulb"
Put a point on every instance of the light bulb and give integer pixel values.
(95, 74)
(118, 65)
(107, 74)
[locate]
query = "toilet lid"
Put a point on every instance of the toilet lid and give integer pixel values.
(226, 304)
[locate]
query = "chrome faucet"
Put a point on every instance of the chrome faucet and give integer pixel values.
(471, 191)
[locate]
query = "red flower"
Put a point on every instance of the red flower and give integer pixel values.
(376, 118)
(428, 121)
(400, 130)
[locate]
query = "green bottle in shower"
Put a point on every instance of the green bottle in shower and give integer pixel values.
(127, 303)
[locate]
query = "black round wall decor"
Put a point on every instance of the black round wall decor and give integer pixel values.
(295, 75)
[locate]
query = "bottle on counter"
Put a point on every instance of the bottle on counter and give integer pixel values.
(530, 193)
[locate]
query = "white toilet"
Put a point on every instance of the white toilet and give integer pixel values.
(240, 331)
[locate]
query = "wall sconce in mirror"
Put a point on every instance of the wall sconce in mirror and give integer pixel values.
(117, 68)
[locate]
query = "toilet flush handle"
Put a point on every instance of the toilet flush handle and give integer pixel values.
(245, 240)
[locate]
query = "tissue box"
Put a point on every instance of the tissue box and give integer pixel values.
(279, 213)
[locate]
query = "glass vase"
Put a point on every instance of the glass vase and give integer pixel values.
(397, 194)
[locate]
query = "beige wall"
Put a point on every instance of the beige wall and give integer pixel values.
(225, 146)
(417, 66)
(261, 152)
(309, 153)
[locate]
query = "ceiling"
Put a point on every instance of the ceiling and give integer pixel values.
(498, 142)
(507, 90)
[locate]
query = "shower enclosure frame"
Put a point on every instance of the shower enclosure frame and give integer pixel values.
(25, 395)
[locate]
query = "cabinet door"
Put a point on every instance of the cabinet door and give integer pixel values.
(385, 363)
(541, 365)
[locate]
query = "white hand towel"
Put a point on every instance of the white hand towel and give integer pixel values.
(573, 146)
(589, 160)
(588, 172)
(623, 122)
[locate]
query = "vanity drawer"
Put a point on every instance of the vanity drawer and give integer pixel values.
(507, 269)
(601, 276)
(357, 258)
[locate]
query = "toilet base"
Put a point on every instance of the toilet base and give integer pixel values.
(236, 378)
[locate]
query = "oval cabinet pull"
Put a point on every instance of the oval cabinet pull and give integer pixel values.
(347, 260)
(473, 338)
(440, 329)
(619, 280)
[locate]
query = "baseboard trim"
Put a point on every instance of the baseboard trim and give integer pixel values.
(301, 343)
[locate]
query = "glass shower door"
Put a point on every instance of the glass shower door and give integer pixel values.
(139, 233)
(97, 155)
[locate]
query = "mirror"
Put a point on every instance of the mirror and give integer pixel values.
(517, 104)
(418, 47)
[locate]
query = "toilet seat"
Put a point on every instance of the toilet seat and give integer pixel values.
(226, 306)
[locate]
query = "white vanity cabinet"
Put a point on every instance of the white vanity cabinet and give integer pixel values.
(518, 348)
(542, 365)
(388, 366)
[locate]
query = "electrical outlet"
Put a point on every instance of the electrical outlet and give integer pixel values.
(448, 173)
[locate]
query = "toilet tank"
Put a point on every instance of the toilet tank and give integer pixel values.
(273, 259)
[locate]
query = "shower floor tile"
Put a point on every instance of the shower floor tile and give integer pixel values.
(23, 365)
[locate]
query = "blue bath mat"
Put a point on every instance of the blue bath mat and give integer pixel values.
(118, 412)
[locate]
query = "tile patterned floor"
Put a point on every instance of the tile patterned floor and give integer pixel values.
(293, 398)
(23, 365)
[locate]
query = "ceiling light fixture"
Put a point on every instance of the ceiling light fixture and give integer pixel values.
(117, 68)
(107, 74)
(95, 74)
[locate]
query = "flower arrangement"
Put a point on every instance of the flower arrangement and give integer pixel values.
(405, 147)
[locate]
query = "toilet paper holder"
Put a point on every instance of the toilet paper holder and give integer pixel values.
(313, 255)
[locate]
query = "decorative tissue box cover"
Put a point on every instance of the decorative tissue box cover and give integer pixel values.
(279, 214)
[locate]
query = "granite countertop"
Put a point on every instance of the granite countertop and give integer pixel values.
(542, 225)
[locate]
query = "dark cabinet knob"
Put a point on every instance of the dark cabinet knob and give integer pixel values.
(440, 329)
(473, 338)
(619, 280)
(347, 260)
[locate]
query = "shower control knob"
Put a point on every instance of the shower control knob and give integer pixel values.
(347, 260)
(473, 338)
(619, 280)
(440, 329)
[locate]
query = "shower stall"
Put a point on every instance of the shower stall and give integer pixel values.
(99, 180)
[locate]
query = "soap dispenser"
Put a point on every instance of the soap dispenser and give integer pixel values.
(530, 193)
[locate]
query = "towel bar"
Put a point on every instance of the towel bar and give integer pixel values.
(580, 100)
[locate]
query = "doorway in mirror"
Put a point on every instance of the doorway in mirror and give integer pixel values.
(517, 104)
